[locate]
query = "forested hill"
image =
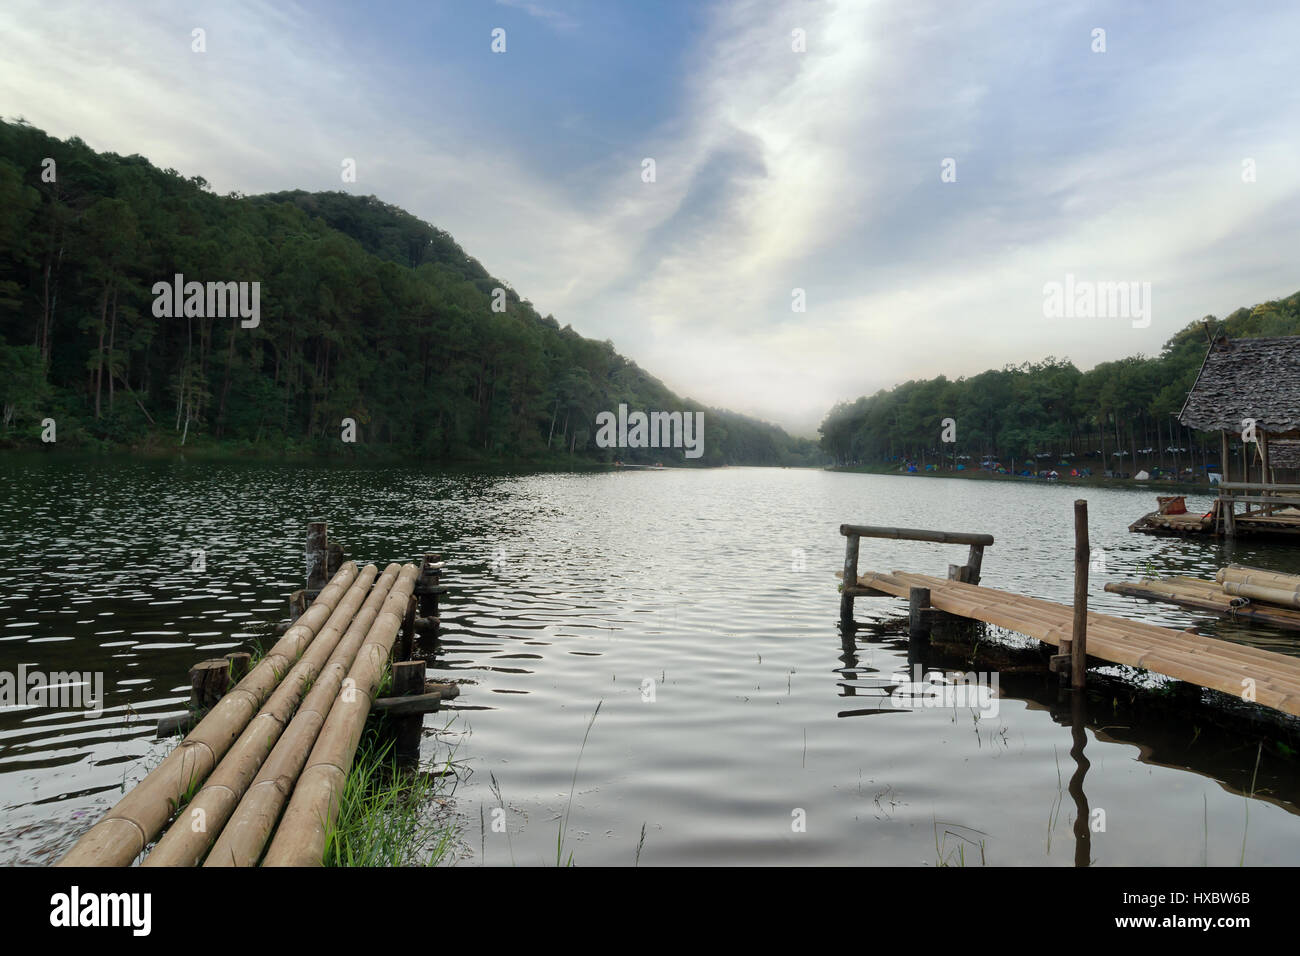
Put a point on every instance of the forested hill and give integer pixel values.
(366, 313)
(1121, 410)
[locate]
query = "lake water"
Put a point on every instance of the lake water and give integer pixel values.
(697, 607)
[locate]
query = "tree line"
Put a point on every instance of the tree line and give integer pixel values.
(367, 313)
(1120, 413)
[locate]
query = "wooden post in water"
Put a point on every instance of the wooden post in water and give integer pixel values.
(408, 681)
(428, 587)
(919, 614)
(209, 681)
(974, 561)
(406, 637)
(1079, 635)
(850, 579)
(240, 664)
(317, 556)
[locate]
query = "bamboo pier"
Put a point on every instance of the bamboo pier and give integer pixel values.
(260, 776)
(1083, 638)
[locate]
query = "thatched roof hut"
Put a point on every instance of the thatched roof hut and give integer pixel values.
(1249, 379)
(1284, 454)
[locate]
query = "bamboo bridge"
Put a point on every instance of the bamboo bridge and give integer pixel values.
(259, 778)
(1082, 638)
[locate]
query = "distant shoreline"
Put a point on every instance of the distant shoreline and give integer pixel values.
(1094, 481)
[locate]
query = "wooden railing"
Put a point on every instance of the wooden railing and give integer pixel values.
(1267, 498)
(853, 533)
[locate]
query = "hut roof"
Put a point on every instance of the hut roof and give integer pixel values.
(1246, 378)
(1284, 454)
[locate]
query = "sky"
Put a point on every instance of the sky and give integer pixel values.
(846, 195)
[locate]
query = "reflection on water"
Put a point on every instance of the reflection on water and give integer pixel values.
(698, 606)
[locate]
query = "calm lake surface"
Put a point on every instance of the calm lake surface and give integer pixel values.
(571, 590)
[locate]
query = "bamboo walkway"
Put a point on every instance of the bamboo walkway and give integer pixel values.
(260, 776)
(1219, 665)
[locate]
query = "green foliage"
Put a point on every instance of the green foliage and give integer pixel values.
(367, 313)
(390, 815)
(1048, 407)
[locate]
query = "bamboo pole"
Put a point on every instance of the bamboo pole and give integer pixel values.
(249, 828)
(1238, 574)
(313, 809)
(1259, 592)
(122, 834)
(208, 811)
(1210, 598)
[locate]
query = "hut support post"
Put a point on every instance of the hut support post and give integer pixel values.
(850, 579)
(1265, 477)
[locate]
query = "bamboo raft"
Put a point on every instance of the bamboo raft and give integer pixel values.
(259, 778)
(1262, 677)
(1237, 592)
(1271, 510)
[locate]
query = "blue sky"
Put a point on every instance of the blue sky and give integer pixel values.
(776, 169)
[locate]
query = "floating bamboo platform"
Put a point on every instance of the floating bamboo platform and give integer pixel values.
(1271, 510)
(1262, 596)
(1247, 673)
(259, 777)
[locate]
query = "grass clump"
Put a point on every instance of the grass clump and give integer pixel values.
(390, 815)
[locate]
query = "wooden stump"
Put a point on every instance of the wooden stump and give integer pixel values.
(408, 681)
(317, 555)
(240, 662)
(209, 681)
(919, 614)
(333, 558)
(428, 587)
(405, 646)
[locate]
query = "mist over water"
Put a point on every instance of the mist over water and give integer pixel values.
(697, 607)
